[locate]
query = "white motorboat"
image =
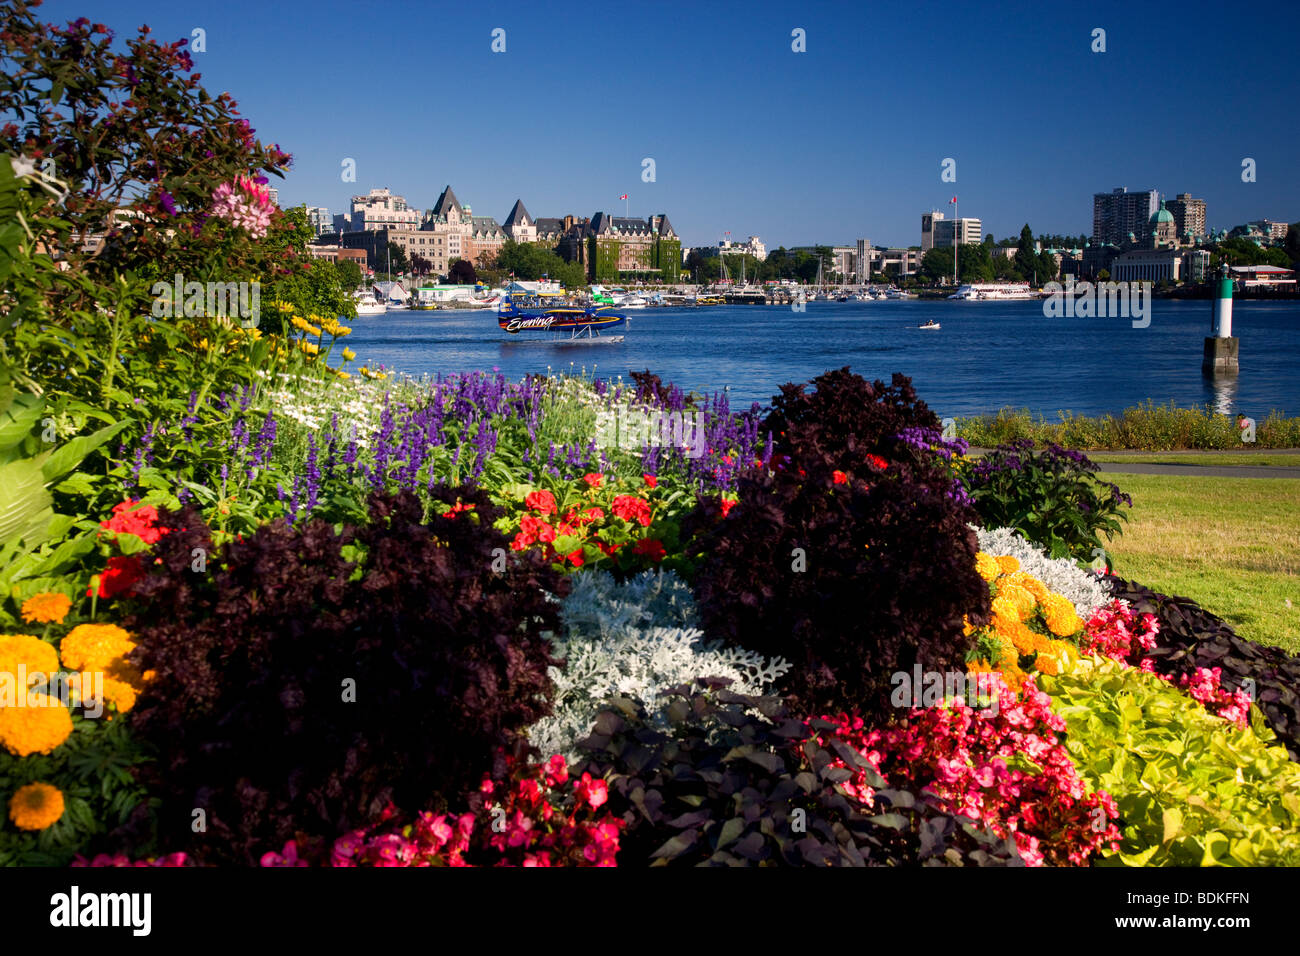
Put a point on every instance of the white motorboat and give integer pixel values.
(931, 325)
(368, 304)
(630, 301)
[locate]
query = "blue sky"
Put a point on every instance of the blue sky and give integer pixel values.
(843, 141)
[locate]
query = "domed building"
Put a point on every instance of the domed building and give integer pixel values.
(1163, 229)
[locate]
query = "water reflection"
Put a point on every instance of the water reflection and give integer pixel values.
(1222, 390)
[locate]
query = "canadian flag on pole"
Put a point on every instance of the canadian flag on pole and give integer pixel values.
(953, 199)
(624, 196)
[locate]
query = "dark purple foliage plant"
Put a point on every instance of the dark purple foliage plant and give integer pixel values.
(311, 676)
(850, 556)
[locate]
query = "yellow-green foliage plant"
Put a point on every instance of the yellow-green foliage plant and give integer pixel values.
(1192, 789)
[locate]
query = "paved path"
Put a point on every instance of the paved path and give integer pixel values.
(1195, 471)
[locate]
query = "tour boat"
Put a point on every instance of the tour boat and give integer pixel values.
(566, 323)
(993, 291)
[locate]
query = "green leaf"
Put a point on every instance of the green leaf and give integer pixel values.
(70, 453)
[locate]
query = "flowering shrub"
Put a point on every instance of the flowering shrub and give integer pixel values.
(1005, 766)
(732, 782)
(246, 203)
(850, 581)
(1053, 497)
(1191, 789)
(391, 657)
(634, 640)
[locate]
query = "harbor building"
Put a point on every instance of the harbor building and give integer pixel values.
(379, 209)
(963, 231)
(520, 226)
(1119, 214)
(610, 246)
(318, 217)
(1189, 215)
(414, 242)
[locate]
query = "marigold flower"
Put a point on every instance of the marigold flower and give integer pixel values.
(92, 647)
(38, 727)
(987, 566)
(46, 608)
(1008, 564)
(36, 806)
(31, 652)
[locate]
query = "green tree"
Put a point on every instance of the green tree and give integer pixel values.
(1027, 263)
(349, 273)
(462, 272)
(396, 259)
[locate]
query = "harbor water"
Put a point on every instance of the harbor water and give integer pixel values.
(985, 356)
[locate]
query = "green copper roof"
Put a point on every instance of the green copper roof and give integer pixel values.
(1162, 215)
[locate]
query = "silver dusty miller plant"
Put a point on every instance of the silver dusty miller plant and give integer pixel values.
(1083, 589)
(634, 640)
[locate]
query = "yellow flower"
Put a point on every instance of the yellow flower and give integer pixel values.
(1030, 583)
(119, 693)
(38, 728)
(36, 806)
(91, 647)
(311, 348)
(1019, 597)
(1062, 620)
(986, 566)
(23, 649)
(1008, 564)
(349, 355)
(1046, 664)
(46, 608)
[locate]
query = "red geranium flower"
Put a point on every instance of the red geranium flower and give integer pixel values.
(632, 508)
(119, 577)
(650, 480)
(141, 522)
(727, 505)
(593, 480)
(840, 477)
(542, 502)
(878, 462)
(457, 508)
(536, 528)
(649, 548)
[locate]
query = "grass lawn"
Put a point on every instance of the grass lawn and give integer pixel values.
(1209, 458)
(1230, 544)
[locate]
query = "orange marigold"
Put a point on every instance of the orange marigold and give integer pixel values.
(16, 649)
(1045, 664)
(35, 729)
(91, 647)
(1008, 564)
(46, 608)
(1020, 597)
(36, 806)
(986, 566)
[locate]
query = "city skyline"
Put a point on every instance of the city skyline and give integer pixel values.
(845, 140)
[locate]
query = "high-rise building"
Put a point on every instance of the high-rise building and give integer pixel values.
(380, 209)
(928, 219)
(1189, 215)
(966, 230)
(1120, 216)
(318, 217)
(862, 259)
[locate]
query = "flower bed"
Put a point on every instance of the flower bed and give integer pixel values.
(561, 621)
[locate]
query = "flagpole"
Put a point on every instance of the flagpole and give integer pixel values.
(956, 283)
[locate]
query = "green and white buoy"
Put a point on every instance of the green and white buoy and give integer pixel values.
(1221, 348)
